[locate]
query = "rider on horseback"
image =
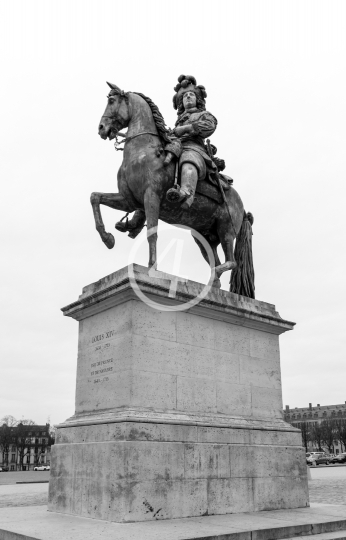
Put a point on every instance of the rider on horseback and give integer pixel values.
(194, 124)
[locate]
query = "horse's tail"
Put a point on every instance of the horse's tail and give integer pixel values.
(243, 276)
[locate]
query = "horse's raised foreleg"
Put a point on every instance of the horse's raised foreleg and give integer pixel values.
(152, 210)
(114, 200)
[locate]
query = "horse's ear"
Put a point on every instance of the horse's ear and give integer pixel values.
(113, 86)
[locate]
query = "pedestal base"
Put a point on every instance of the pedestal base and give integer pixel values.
(178, 413)
(142, 471)
(320, 522)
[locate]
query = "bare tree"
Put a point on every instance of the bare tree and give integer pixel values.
(37, 458)
(317, 435)
(23, 441)
(341, 432)
(306, 435)
(329, 433)
(16, 432)
(9, 420)
(5, 441)
(51, 435)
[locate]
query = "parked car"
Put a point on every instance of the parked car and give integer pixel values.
(339, 458)
(42, 468)
(311, 455)
(3, 469)
(318, 458)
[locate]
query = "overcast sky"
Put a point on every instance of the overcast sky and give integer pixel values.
(275, 74)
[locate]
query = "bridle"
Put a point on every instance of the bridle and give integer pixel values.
(113, 118)
(128, 139)
(115, 121)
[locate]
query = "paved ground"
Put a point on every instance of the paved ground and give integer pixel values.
(23, 476)
(32, 494)
(328, 485)
(328, 490)
(23, 495)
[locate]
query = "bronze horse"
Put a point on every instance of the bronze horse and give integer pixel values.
(143, 181)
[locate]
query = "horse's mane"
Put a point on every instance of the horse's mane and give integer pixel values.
(158, 118)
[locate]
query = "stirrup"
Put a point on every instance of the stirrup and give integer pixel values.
(123, 227)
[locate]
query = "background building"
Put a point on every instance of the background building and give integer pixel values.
(308, 417)
(23, 447)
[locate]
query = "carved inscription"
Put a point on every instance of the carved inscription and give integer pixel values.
(105, 335)
(101, 347)
(100, 367)
(100, 364)
(101, 380)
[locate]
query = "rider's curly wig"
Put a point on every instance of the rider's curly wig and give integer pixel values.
(184, 82)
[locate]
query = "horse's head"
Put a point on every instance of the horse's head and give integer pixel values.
(116, 115)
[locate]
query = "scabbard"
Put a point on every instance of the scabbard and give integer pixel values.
(176, 171)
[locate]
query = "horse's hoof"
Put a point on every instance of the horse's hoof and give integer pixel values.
(216, 284)
(135, 232)
(108, 240)
(152, 270)
(225, 267)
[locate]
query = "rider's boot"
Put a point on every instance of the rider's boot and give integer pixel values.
(189, 177)
(134, 225)
(186, 192)
(187, 204)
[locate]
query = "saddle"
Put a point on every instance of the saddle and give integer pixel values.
(209, 187)
(213, 176)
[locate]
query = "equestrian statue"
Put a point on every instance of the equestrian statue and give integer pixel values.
(175, 175)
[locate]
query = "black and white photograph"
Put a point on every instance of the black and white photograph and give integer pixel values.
(172, 280)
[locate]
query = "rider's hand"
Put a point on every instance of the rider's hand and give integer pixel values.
(178, 131)
(182, 130)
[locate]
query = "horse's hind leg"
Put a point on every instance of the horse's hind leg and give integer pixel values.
(217, 262)
(227, 241)
(114, 200)
(152, 210)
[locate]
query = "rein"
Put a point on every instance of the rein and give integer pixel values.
(128, 139)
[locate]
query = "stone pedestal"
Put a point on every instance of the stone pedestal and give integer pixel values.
(178, 413)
